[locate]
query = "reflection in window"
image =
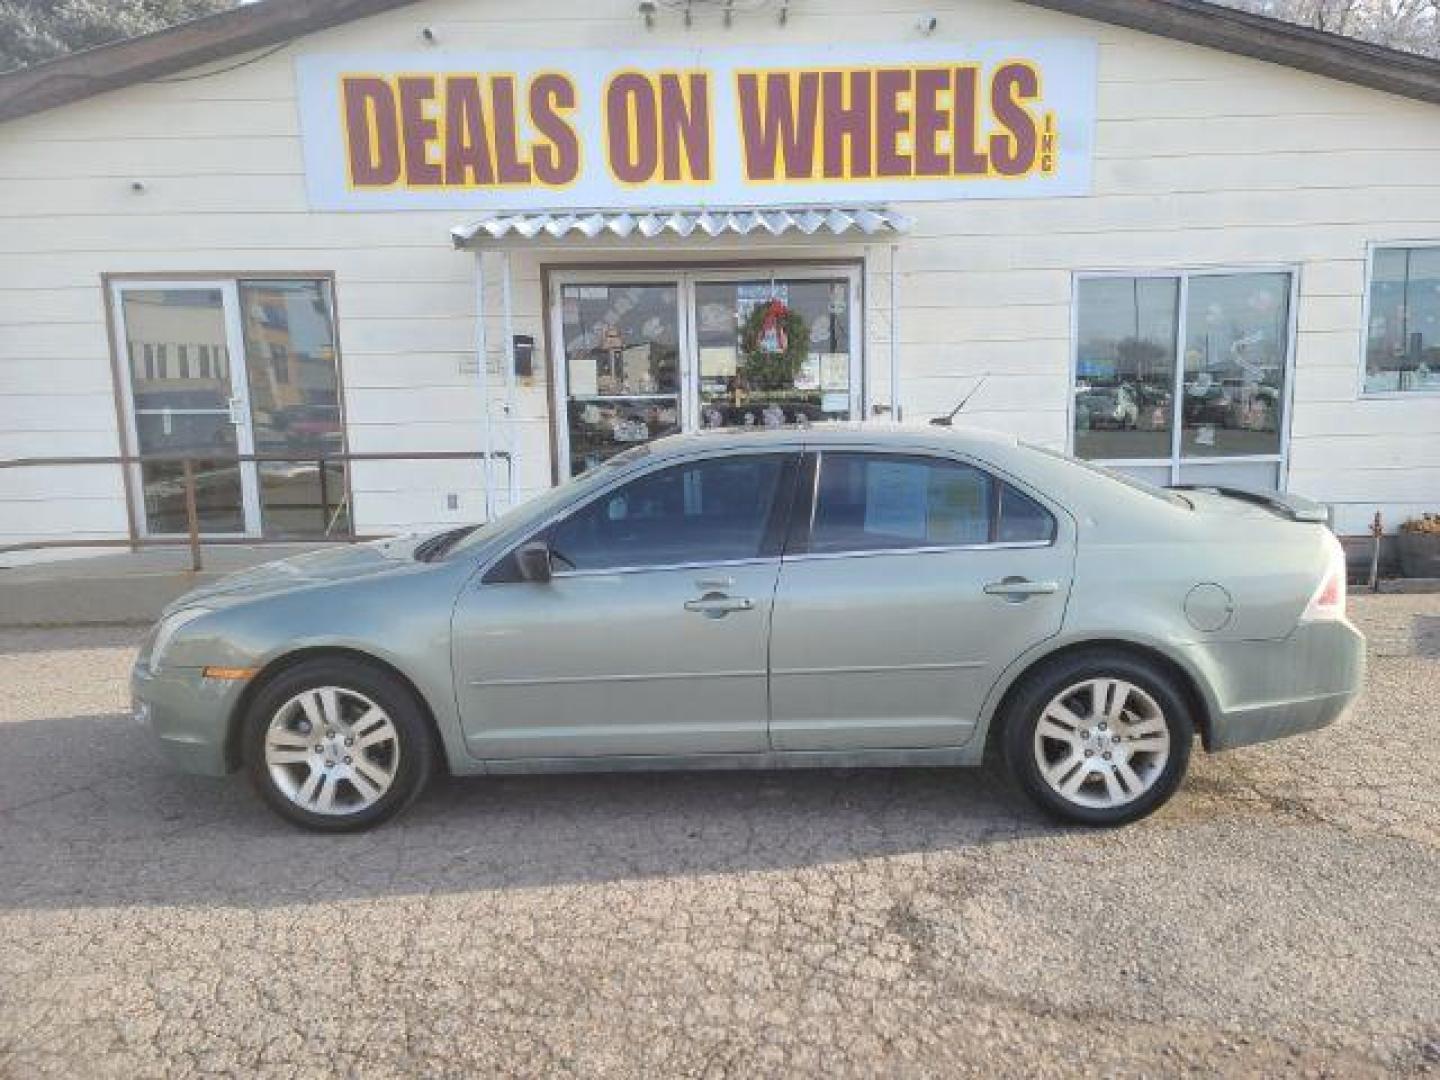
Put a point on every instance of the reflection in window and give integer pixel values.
(1236, 337)
(1235, 344)
(708, 511)
(877, 502)
(181, 411)
(1125, 366)
(1402, 342)
(295, 405)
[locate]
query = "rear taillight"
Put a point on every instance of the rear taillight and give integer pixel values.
(1328, 600)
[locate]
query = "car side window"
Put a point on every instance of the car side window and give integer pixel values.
(891, 502)
(1022, 519)
(715, 510)
(880, 502)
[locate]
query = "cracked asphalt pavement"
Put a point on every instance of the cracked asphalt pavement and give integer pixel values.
(1282, 915)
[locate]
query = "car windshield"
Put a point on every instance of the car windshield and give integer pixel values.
(541, 505)
(1164, 494)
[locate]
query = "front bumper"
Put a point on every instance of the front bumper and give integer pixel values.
(1264, 690)
(188, 715)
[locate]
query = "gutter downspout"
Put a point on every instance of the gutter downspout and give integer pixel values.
(894, 344)
(510, 491)
(481, 349)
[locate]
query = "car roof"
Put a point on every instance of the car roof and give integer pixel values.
(878, 433)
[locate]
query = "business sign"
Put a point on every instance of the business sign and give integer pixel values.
(697, 127)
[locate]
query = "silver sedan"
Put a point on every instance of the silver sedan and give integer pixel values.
(847, 596)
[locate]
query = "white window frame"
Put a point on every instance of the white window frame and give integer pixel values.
(1175, 461)
(1382, 395)
(684, 279)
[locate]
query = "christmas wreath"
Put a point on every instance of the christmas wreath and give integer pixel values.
(775, 342)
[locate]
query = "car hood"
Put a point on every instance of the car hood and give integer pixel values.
(339, 563)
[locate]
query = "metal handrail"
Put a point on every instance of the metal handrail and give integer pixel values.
(188, 462)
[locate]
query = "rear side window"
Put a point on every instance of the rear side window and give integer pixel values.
(1022, 519)
(875, 502)
(890, 502)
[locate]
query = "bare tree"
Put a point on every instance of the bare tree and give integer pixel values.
(1412, 25)
(35, 30)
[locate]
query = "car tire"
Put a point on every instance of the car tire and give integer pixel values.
(1098, 737)
(337, 745)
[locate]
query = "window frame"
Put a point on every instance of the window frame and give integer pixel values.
(807, 489)
(685, 275)
(112, 283)
(1175, 461)
(1371, 247)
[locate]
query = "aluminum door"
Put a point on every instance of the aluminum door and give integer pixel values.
(186, 394)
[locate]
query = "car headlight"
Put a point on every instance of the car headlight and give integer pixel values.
(168, 628)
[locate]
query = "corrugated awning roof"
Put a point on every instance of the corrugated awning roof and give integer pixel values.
(594, 224)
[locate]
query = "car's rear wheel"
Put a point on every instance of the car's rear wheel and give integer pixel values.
(337, 745)
(1098, 738)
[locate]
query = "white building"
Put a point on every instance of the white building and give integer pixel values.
(1198, 244)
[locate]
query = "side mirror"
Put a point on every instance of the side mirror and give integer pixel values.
(533, 561)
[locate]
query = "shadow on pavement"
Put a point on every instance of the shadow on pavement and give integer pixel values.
(89, 816)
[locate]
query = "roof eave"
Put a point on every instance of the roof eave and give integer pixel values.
(1262, 38)
(271, 22)
(177, 48)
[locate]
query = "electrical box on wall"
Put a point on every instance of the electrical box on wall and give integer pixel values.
(523, 347)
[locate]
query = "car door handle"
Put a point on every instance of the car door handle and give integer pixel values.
(719, 606)
(1018, 588)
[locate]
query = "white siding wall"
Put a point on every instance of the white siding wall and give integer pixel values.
(1202, 159)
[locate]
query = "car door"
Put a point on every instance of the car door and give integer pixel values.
(908, 585)
(650, 638)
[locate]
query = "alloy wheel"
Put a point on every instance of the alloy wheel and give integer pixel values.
(333, 751)
(1102, 743)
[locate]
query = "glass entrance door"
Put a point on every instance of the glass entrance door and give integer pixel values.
(647, 355)
(180, 342)
(621, 346)
(774, 351)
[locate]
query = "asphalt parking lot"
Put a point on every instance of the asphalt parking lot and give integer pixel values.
(1282, 915)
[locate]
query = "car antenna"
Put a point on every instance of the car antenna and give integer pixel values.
(948, 420)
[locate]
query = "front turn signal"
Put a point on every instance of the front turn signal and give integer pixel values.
(233, 673)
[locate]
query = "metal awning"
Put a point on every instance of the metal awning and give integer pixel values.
(647, 224)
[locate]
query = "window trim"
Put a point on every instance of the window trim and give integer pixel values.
(1176, 461)
(797, 548)
(1371, 247)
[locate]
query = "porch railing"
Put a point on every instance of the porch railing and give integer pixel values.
(188, 463)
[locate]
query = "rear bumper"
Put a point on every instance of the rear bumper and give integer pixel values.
(1264, 690)
(188, 716)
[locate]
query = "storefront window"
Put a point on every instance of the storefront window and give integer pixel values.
(1236, 337)
(1227, 396)
(1125, 367)
(295, 405)
(1402, 341)
(200, 388)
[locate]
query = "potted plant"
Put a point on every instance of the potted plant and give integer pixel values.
(1419, 543)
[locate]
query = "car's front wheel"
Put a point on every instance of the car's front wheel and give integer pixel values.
(1098, 738)
(336, 745)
